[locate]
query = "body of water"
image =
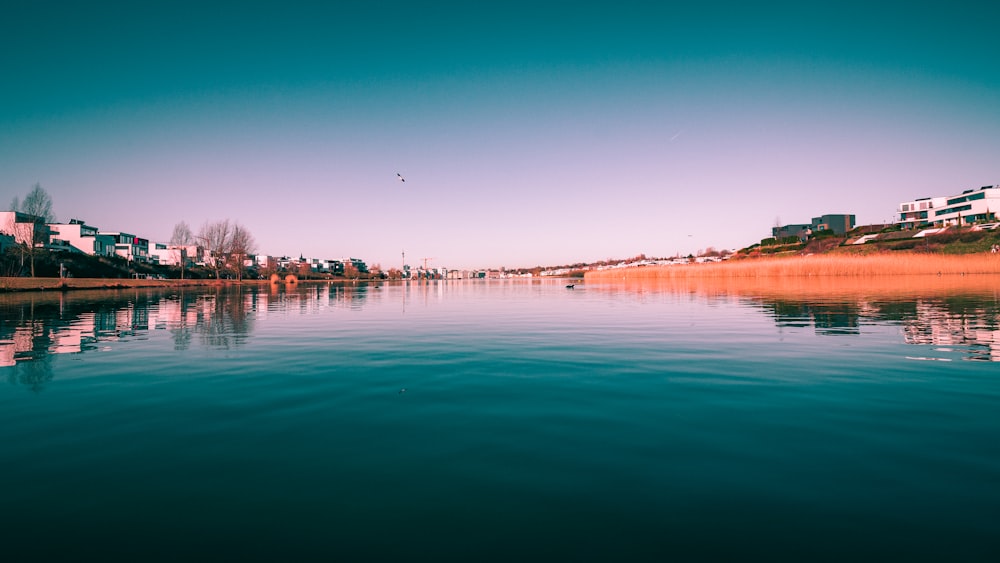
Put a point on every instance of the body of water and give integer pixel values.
(499, 420)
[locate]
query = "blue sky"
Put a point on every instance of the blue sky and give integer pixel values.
(528, 134)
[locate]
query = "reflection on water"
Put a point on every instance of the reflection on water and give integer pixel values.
(35, 326)
(713, 421)
(972, 327)
(974, 330)
(961, 313)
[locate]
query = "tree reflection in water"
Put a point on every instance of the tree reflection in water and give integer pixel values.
(36, 326)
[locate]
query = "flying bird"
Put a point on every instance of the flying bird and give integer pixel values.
(400, 176)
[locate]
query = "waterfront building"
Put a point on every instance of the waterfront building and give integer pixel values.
(970, 206)
(129, 246)
(25, 228)
(82, 237)
(838, 223)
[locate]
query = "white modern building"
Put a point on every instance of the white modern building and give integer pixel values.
(171, 254)
(82, 237)
(970, 206)
(23, 227)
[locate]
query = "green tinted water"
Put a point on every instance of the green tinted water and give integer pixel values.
(496, 421)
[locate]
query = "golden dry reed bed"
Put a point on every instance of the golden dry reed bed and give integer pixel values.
(839, 265)
(816, 277)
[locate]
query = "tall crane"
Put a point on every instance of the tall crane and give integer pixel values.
(425, 261)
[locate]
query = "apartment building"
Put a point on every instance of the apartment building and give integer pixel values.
(838, 223)
(82, 237)
(25, 228)
(970, 206)
(129, 246)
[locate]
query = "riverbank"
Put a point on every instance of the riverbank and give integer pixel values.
(63, 284)
(827, 265)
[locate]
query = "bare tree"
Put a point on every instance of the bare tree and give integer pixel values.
(214, 236)
(38, 203)
(241, 245)
(350, 270)
(32, 231)
(181, 239)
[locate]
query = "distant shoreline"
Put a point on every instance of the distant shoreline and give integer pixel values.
(828, 266)
(11, 285)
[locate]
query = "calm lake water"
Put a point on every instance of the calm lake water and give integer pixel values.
(500, 421)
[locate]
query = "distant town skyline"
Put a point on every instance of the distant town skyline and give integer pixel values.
(527, 133)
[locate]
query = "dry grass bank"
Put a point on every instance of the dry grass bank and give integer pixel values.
(816, 266)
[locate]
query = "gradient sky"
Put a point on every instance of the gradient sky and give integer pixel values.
(529, 133)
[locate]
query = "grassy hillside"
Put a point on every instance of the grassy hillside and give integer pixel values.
(956, 252)
(956, 240)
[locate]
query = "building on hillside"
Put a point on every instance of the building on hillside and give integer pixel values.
(159, 254)
(970, 206)
(839, 224)
(129, 246)
(25, 228)
(919, 212)
(82, 237)
(798, 230)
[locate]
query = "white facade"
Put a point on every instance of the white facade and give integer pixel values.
(18, 225)
(82, 237)
(970, 206)
(171, 254)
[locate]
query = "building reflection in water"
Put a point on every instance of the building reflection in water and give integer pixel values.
(36, 326)
(934, 323)
(827, 318)
(975, 330)
(960, 312)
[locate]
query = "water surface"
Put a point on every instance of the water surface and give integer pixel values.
(500, 420)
